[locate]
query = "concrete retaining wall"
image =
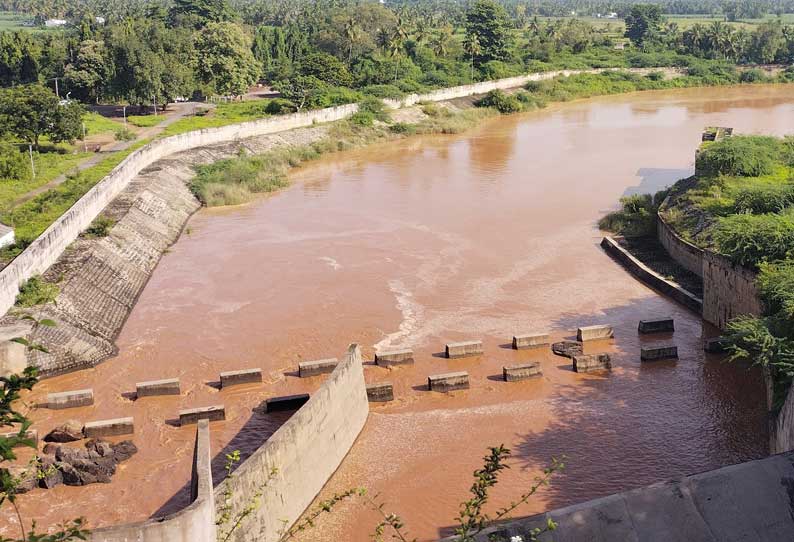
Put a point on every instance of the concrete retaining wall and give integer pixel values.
(782, 429)
(196, 523)
(46, 249)
(728, 290)
(685, 253)
(304, 452)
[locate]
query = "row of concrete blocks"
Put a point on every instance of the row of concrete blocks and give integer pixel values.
(585, 363)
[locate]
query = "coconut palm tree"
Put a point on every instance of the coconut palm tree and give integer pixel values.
(441, 41)
(352, 33)
(473, 49)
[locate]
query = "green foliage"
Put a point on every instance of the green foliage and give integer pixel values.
(374, 107)
(487, 32)
(225, 61)
(33, 111)
(100, 227)
(743, 156)
(644, 23)
(750, 240)
(36, 292)
(753, 75)
(145, 121)
(13, 164)
(236, 180)
(504, 103)
(763, 199)
(280, 106)
(124, 134)
(637, 216)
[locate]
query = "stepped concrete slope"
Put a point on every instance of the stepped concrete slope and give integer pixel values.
(749, 502)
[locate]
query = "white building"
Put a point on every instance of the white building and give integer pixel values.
(54, 23)
(6, 236)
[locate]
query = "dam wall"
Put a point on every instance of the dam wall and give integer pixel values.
(196, 523)
(45, 249)
(291, 468)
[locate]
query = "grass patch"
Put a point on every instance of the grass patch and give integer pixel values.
(97, 124)
(100, 227)
(49, 165)
(222, 115)
(35, 291)
(145, 121)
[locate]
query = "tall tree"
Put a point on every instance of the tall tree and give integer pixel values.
(487, 21)
(644, 23)
(199, 13)
(32, 111)
(86, 76)
(225, 61)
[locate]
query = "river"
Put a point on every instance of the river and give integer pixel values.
(417, 243)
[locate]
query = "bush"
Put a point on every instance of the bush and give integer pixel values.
(753, 75)
(375, 107)
(656, 76)
(36, 292)
(636, 218)
(742, 156)
(383, 91)
(363, 118)
(124, 134)
(100, 227)
(403, 128)
(500, 101)
(750, 240)
(13, 164)
(763, 200)
(280, 106)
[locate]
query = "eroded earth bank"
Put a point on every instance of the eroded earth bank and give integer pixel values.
(417, 243)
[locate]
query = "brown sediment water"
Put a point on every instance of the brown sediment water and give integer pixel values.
(417, 243)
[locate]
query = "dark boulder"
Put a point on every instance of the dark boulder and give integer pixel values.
(124, 450)
(69, 431)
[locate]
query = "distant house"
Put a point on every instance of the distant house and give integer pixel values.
(611, 15)
(54, 23)
(6, 236)
(99, 20)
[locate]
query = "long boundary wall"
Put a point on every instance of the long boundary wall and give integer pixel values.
(294, 464)
(685, 253)
(196, 523)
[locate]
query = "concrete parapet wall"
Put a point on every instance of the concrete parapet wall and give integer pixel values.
(305, 452)
(687, 255)
(196, 523)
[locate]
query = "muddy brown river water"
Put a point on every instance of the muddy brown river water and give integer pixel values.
(417, 243)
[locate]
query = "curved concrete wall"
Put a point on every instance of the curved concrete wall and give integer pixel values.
(685, 253)
(43, 251)
(196, 523)
(303, 453)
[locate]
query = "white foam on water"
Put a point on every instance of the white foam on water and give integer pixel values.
(332, 263)
(412, 313)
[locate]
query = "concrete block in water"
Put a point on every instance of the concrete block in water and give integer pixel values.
(319, 367)
(567, 349)
(31, 434)
(70, 399)
(286, 402)
(168, 386)
(394, 357)
(530, 341)
(659, 325)
(381, 392)
(591, 362)
(715, 345)
(449, 381)
(656, 353)
(592, 333)
(514, 373)
(245, 376)
(109, 428)
(463, 349)
(193, 415)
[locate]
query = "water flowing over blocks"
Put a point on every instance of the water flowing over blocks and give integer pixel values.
(593, 333)
(449, 381)
(380, 393)
(245, 376)
(70, 399)
(109, 428)
(319, 367)
(168, 386)
(286, 402)
(591, 362)
(660, 325)
(514, 373)
(193, 415)
(659, 353)
(532, 340)
(394, 357)
(463, 349)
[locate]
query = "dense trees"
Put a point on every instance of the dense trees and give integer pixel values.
(225, 61)
(30, 112)
(644, 23)
(487, 32)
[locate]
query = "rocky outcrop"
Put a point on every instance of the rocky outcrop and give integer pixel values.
(69, 431)
(95, 463)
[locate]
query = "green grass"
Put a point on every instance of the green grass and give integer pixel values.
(97, 124)
(14, 22)
(48, 166)
(34, 216)
(145, 121)
(222, 115)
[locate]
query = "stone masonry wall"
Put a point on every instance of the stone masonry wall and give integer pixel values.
(686, 254)
(728, 290)
(196, 523)
(303, 453)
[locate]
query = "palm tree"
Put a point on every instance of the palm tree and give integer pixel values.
(534, 25)
(383, 39)
(423, 32)
(352, 35)
(441, 41)
(473, 49)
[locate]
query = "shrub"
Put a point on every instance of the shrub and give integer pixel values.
(280, 106)
(750, 240)
(776, 289)
(403, 128)
(763, 200)
(656, 76)
(636, 218)
(500, 101)
(124, 134)
(100, 227)
(374, 107)
(743, 156)
(36, 292)
(383, 91)
(363, 118)
(13, 164)
(753, 75)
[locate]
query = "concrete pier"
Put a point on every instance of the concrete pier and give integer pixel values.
(463, 349)
(657, 353)
(109, 428)
(659, 325)
(531, 340)
(193, 415)
(319, 367)
(449, 381)
(168, 386)
(591, 362)
(70, 399)
(394, 357)
(286, 402)
(593, 333)
(382, 392)
(245, 376)
(514, 373)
